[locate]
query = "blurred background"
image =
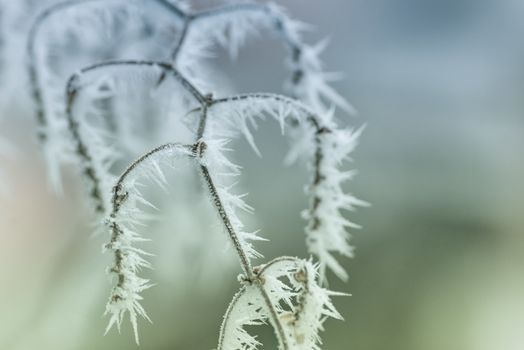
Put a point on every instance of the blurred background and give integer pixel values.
(439, 85)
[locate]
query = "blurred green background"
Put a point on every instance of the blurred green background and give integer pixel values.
(439, 84)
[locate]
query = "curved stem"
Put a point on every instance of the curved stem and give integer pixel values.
(119, 198)
(227, 315)
(74, 90)
(32, 67)
(320, 130)
(143, 158)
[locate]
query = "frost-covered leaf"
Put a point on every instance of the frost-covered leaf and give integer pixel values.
(246, 309)
(302, 304)
(295, 298)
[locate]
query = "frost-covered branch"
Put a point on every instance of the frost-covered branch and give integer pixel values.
(95, 157)
(125, 216)
(318, 139)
